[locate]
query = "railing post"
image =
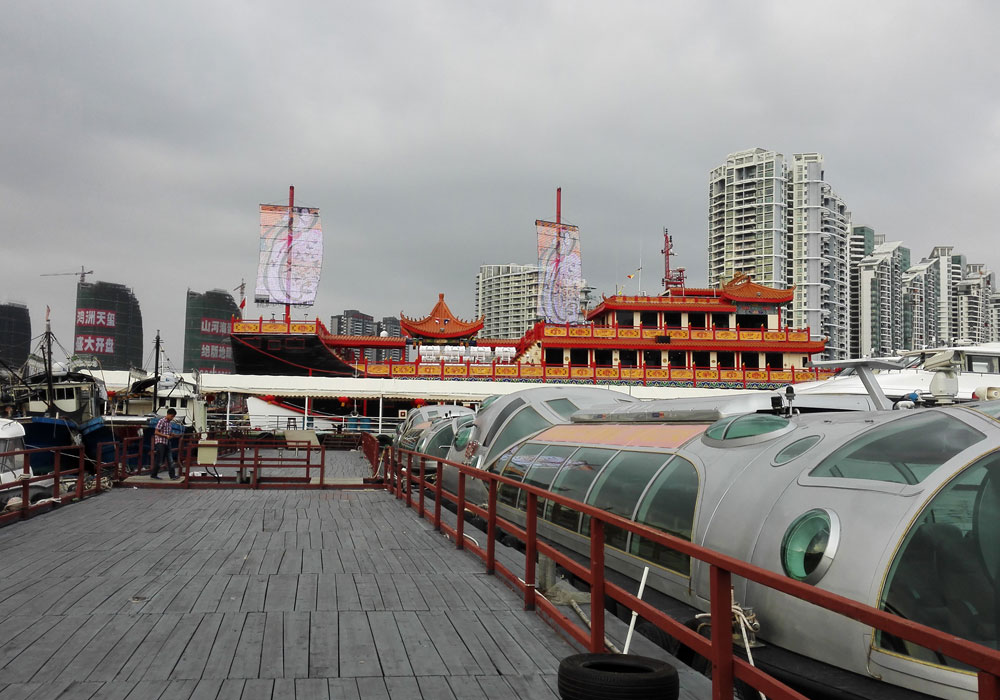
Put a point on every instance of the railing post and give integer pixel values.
(722, 637)
(531, 527)
(80, 473)
(409, 480)
(989, 686)
(56, 488)
(437, 496)
(460, 512)
(25, 495)
(421, 485)
(596, 585)
(491, 528)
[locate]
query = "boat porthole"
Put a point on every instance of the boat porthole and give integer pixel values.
(810, 544)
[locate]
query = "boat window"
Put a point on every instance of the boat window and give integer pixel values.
(799, 447)
(944, 575)
(618, 488)
(990, 408)
(524, 423)
(810, 544)
(669, 506)
(981, 363)
(500, 418)
(515, 469)
(573, 481)
(903, 451)
(439, 441)
(488, 400)
(748, 425)
(564, 407)
(462, 437)
(544, 469)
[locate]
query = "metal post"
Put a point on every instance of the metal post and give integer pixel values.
(491, 529)
(722, 637)
(596, 586)
(460, 511)
(229, 401)
(437, 497)
(380, 410)
(529, 552)
(409, 480)
(421, 485)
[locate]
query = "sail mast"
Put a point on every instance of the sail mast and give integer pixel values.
(156, 368)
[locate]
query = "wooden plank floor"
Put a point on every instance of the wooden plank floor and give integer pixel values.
(184, 595)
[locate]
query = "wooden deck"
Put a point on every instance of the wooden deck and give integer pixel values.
(238, 594)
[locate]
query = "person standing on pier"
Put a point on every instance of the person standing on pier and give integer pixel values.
(161, 445)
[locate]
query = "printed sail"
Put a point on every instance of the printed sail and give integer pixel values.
(291, 257)
(560, 268)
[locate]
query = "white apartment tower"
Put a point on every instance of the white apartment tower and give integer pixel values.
(972, 296)
(746, 218)
(881, 299)
(921, 291)
(782, 224)
(507, 299)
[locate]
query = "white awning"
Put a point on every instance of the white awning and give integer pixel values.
(427, 389)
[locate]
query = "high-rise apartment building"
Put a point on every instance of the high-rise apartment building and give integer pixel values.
(389, 325)
(782, 224)
(921, 301)
(747, 227)
(972, 295)
(507, 299)
(881, 299)
(861, 244)
(353, 322)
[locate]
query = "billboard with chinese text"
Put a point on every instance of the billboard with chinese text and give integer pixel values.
(207, 325)
(108, 325)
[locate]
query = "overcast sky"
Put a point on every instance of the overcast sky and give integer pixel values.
(139, 138)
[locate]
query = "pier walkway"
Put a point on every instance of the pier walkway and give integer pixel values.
(240, 594)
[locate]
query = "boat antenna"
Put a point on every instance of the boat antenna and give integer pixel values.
(671, 278)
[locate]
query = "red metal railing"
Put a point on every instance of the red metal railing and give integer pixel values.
(726, 666)
(69, 464)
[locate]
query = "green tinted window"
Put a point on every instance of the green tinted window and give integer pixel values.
(564, 407)
(746, 425)
(515, 469)
(524, 423)
(944, 574)
(544, 469)
(619, 486)
(669, 506)
(903, 451)
(462, 437)
(573, 480)
(795, 449)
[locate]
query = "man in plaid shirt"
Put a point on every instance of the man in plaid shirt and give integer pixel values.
(161, 445)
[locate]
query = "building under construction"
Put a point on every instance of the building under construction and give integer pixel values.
(15, 335)
(108, 325)
(207, 325)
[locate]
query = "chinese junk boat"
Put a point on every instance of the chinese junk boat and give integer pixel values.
(731, 337)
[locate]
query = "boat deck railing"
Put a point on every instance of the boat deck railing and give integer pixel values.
(407, 479)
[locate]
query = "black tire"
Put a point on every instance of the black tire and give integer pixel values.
(616, 677)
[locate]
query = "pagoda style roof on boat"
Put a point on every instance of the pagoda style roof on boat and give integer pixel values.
(440, 323)
(739, 290)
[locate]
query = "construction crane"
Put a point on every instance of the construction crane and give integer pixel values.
(83, 274)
